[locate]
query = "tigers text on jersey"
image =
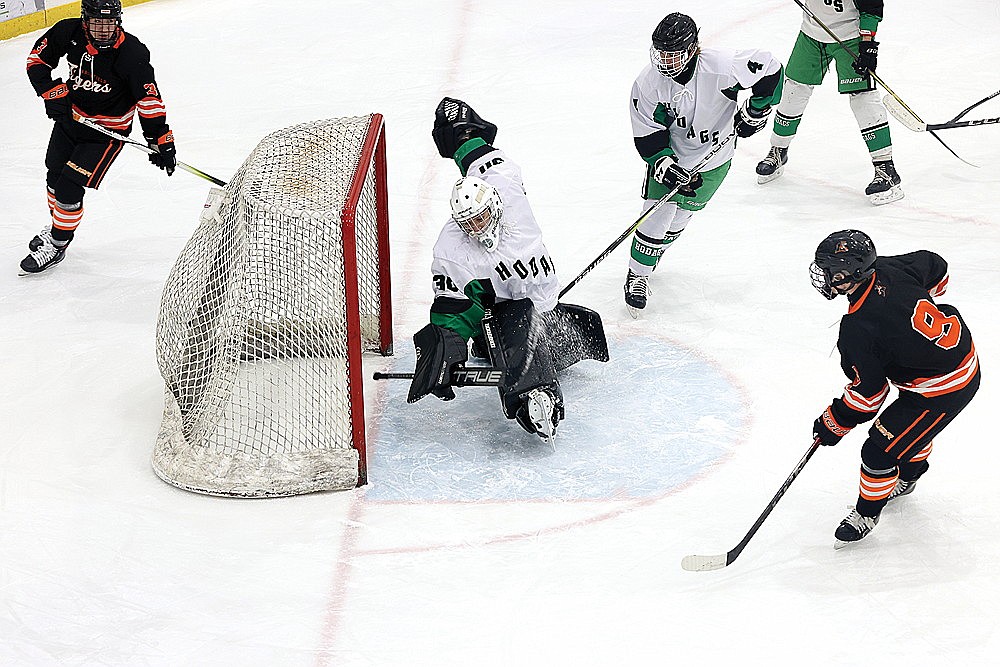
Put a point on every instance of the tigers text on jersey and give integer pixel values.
(895, 332)
(521, 266)
(105, 85)
(698, 114)
(842, 17)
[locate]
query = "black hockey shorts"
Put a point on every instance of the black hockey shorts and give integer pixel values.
(79, 154)
(909, 423)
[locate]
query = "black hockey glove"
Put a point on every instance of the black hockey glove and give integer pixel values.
(867, 57)
(57, 106)
(166, 156)
(667, 171)
(439, 351)
(826, 429)
(455, 122)
(750, 120)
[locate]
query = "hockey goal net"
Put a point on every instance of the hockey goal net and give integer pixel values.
(265, 315)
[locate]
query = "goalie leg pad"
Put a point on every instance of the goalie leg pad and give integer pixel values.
(526, 354)
(574, 333)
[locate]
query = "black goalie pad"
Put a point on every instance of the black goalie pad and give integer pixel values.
(575, 333)
(456, 122)
(524, 352)
(439, 352)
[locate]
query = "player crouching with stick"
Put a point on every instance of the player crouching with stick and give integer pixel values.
(893, 332)
(495, 284)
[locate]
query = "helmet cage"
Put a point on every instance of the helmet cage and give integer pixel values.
(672, 63)
(102, 21)
(478, 210)
(843, 259)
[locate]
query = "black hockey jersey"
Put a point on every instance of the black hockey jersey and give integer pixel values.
(105, 85)
(895, 332)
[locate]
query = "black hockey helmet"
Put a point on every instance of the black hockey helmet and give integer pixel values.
(675, 43)
(843, 259)
(102, 20)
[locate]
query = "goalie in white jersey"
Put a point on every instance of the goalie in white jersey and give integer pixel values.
(495, 284)
(683, 105)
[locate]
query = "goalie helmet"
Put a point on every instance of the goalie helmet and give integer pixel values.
(675, 44)
(102, 21)
(843, 259)
(476, 207)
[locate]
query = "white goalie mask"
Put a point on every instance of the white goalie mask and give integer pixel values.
(476, 207)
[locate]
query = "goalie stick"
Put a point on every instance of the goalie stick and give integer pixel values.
(911, 122)
(702, 563)
(905, 110)
(143, 147)
(645, 216)
(472, 376)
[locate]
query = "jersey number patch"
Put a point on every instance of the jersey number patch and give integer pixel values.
(932, 324)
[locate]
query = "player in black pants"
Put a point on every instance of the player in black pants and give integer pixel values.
(893, 332)
(109, 80)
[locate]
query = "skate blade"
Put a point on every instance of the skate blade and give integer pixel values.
(633, 311)
(762, 179)
(894, 193)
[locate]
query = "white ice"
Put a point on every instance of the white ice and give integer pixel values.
(473, 545)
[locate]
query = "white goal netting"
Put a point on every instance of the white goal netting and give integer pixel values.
(264, 315)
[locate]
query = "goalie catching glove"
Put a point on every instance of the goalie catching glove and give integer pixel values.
(672, 175)
(750, 120)
(439, 352)
(455, 122)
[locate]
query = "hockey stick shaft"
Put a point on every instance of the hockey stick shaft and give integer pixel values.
(970, 108)
(645, 216)
(698, 563)
(963, 123)
(143, 147)
(879, 81)
(484, 376)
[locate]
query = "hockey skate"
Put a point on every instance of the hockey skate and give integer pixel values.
(884, 188)
(902, 489)
(46, 256)
(636, 291)
(853, 528)
(771, 166)
(39, 239)
(540, 413)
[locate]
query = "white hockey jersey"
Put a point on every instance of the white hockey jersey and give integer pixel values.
(701, 114)
(840, 16)
(520, 267)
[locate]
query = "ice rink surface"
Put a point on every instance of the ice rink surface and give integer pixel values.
(474, 545)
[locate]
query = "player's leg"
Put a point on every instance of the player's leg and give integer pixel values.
(899, 442)
(807, 65)
(71, 167)
(530, 392)
(660, 230)
(873, 123)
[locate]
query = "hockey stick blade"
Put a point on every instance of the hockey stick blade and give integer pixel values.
(903, 115)
(703, 563)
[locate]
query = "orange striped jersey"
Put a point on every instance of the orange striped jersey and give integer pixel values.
(895, 332)
(110, 86)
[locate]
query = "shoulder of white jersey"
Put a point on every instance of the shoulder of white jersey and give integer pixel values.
(716, 60)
